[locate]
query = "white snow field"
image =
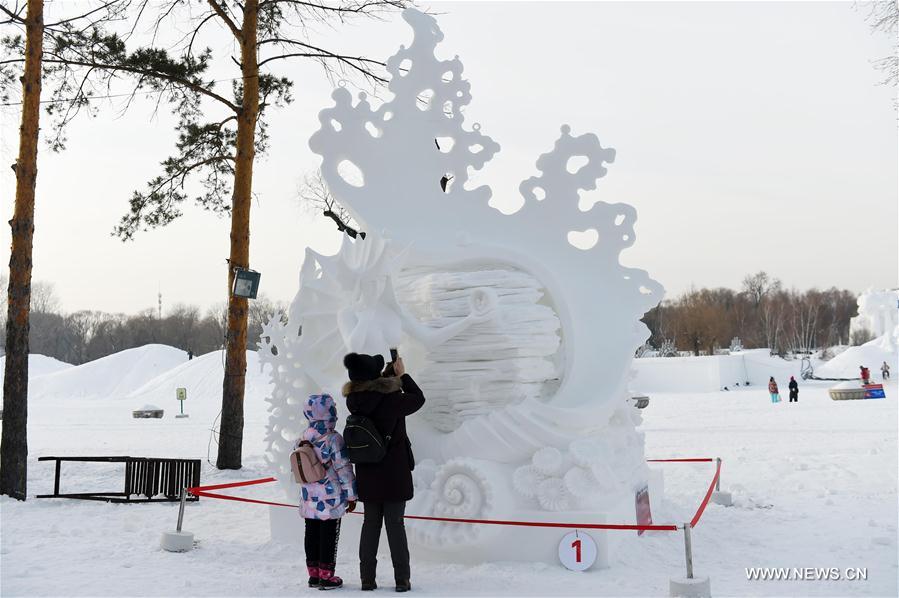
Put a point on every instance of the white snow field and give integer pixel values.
(814, 485)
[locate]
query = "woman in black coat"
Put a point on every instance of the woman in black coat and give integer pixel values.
(384, 486)
(794, 390)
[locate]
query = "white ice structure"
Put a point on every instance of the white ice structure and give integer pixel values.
(520, 328)
(878, 313)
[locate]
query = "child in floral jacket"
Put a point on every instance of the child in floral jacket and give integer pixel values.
(323, 503)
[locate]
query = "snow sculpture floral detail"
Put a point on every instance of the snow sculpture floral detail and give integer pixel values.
(520, 328)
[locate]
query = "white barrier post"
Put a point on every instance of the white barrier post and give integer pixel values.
(689, 586)
(721, 498)
(178, 541)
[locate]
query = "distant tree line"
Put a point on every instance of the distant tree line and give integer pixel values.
(761, 314)
(82, 336)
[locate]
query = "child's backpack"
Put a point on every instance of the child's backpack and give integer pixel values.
(307, 467)
(364, 444)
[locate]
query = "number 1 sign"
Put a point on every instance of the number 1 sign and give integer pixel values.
(577, 551)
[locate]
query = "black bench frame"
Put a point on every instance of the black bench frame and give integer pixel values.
(145, 479)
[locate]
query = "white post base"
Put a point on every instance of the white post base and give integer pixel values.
(723, 498)
(177, 541)
(698, 587)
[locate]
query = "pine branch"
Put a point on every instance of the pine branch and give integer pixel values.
(193, 86)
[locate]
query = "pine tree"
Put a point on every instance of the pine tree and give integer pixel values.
(219, 133)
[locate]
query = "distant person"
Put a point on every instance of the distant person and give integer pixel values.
(885, 371)
(324, 502)
(773, 391)
(190, 354)
(794, 390)
(866, 374)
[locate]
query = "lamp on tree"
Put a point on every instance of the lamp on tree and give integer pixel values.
(246, 283)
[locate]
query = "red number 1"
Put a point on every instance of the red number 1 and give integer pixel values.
(577, 549)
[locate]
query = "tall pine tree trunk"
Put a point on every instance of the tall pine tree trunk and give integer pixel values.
(231, 429)
(14, 446)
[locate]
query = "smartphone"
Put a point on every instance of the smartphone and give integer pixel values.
(394, 355)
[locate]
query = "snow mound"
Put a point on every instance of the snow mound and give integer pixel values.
(871, 355)
(202, 377)
(39, 365)
(113, 376)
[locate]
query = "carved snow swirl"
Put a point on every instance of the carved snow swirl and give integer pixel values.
(461, 490)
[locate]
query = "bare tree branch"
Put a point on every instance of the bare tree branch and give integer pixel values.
(220, 11)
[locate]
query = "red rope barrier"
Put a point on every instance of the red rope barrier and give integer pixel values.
(708, 495)
(203, 491)
(231, 485)
(196, 492)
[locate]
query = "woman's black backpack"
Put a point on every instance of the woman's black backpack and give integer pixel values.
(364, 443)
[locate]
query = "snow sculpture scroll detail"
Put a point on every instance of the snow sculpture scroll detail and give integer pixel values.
(520, 335)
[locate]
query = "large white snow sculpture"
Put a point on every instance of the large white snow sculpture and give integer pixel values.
(521, 338)
(878, 314)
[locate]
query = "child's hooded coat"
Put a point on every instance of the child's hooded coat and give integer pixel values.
(326, 499)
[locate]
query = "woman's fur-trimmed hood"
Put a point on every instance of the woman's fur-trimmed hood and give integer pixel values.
(380, 385)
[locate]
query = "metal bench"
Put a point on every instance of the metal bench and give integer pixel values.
(147, 479)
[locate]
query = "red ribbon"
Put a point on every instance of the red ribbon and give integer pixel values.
(202, 491)
(708, 495)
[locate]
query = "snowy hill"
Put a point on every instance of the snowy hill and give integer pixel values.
(114, 376)
(202, 377)
(39, 365)
(871, 355)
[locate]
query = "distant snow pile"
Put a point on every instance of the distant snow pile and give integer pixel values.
(871, 355)
(114, 376)
(202, 377)
(39, 365)
(877, 314)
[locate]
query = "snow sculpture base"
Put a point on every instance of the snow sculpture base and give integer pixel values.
(177, 541)
(501, 543)
(521, 544)
(698, 587)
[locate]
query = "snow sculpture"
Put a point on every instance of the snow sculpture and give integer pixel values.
(520, 328)
(877, 313)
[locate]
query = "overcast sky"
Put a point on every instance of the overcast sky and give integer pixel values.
(750, 136)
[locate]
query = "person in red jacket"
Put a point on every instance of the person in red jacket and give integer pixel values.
(866, 375)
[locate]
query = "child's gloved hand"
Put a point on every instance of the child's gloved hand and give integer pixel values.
(351, 506)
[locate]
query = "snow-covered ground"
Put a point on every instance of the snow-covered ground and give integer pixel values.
(814, 483)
